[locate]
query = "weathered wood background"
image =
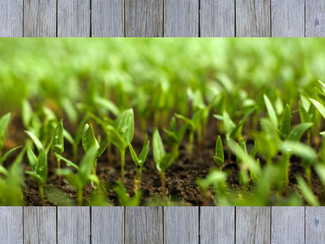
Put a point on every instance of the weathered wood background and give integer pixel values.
(162, 18)
(162, 225)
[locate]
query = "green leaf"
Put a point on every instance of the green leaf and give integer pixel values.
(134, 156)
(298, 131)
(299, 149)
(116, 138)
(125, 125)
(144, 153)
(107, 104)
(320, 169)
(307, 192)
(319, 107)
(4, 124)
(271, 112)
(86, 164)
(229, 124)
(103, 147)
(158, 148)
(68, 162)
(27, 114)
(36, 141)
(166, 161)
(35, 177)
(88, 138)
(285, 122)
(42, 165)
(58, 139)
(33, 161)
(304, 116)
(188, 121)
(219, 153)
(7, 154)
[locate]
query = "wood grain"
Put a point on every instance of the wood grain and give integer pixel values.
(73, 18)
(107, 18)
(181, 18)
(11, 225)
(253, 225)
(253, 18)
(288, 225)
(315, 18)
(40, 18)
(217, 225)
(107, 225)
(144, 225)
(144, 18)
(181, 225)
(40, 225)
(11, 18)
(287, 18)
(74, 225)
(217, 18)
(315, 225)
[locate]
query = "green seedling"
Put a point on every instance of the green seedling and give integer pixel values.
(121, 134)
(174, 135)
(139, 162)
(58, 144)
(124, 198)
(38, 163)
(83, 172)
(162, 159)
(219, 157)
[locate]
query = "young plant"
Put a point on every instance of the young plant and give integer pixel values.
(124, 198)
(219, 157)
(38, 163)
(139, 161)
(174, 135)
(4, 124)
(162, 159)
(58, 144)
(121, 134)
(83, 174)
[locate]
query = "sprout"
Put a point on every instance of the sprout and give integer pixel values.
(219, 157)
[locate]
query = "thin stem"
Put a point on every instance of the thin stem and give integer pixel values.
(286, 173)
(308, 176)
(163, 185)
(59, 167)
(79, 196)
(122, 164)
(191, 139)
(41, 193)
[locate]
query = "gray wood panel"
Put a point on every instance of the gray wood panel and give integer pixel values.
(11, 225)
(217, 225)
(73, 18)
(315, 225)
(107, 18)
(315, 18)
(181, 225)
(11, 18)
(144, 18)
(181, 18)
(73, 225)
(107, 225)
(40, 225)
(288, 225)
(144, 225)
(40, 18)
(253, 225)
(288, 18)
(253, 18)
(217, 18)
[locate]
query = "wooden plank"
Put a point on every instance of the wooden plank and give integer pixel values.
(315, 18)
(315, 225)
(217, 18)
(287, 18)
(40, 18)
(144, 225)
(181, 18)
(253, 225)
(11, 17)
(40, 225)
(181, 225)
(73, 18)
(107, 225)
(253, 18)
(11, 225)
(217, 225)
(144, 18)
(288, 225)
(74, 225)
(107, 18)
